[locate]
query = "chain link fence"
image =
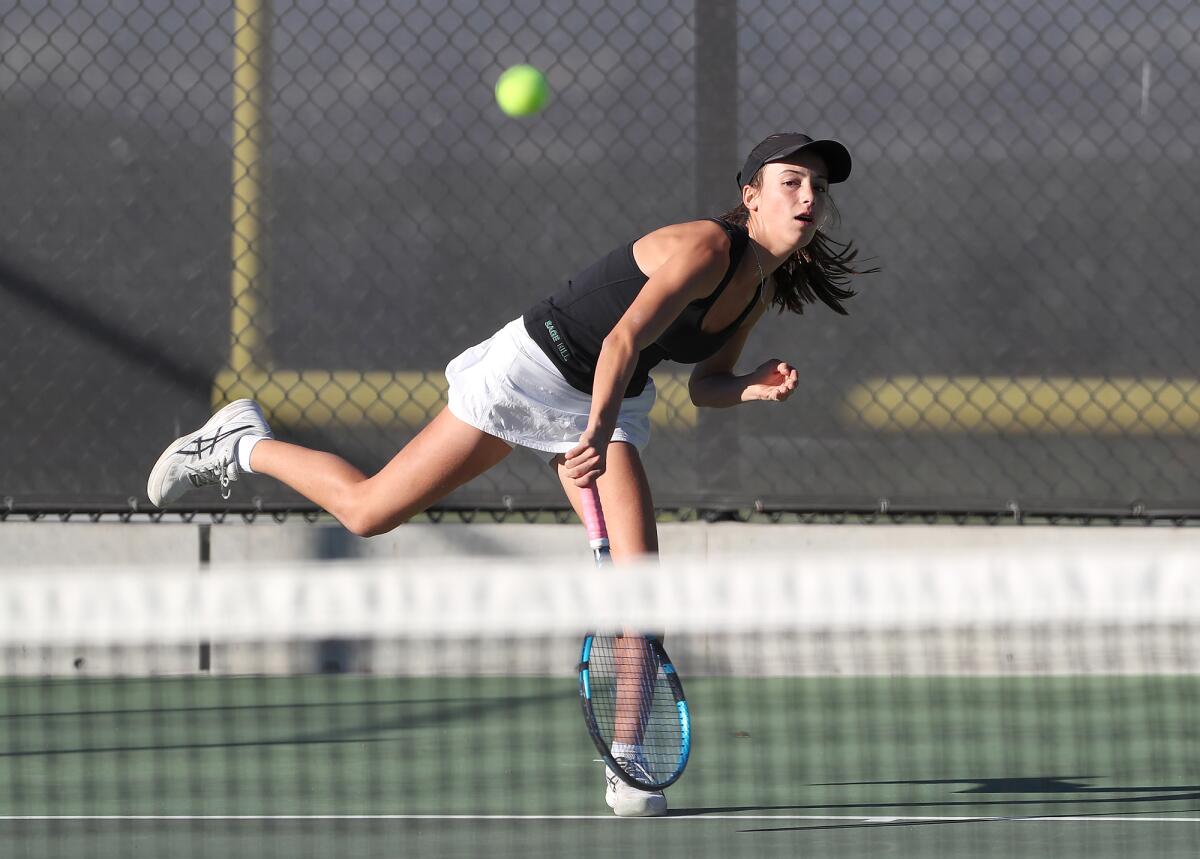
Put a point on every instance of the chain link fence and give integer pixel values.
(319, 204)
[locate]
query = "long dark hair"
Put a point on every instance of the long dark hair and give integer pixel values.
(819, 271)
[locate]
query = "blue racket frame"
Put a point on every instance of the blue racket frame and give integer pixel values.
(602, 742)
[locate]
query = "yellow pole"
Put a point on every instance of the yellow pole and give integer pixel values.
(251, 55)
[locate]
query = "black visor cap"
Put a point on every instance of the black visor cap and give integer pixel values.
(777, 147)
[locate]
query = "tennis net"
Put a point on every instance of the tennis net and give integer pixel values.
(353, 708)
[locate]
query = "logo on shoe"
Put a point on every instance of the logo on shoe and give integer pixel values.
(202, 446)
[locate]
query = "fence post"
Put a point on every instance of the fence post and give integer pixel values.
(716, 74)
(251, 139)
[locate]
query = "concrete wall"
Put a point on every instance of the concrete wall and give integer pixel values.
(26, 544)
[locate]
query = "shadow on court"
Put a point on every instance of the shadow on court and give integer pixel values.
(878, 824)
(370, 731)
(1070, 789)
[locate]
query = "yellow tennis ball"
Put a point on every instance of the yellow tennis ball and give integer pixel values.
(521, 91)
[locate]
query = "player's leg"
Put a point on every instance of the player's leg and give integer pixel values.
(446, 454)
(632, 533)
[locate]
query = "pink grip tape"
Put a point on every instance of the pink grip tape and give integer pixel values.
(593, 516)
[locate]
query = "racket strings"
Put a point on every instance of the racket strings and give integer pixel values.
(634, 706)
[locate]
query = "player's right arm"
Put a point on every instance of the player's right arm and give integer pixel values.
(694, 258)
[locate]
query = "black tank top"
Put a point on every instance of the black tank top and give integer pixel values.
(571, 324)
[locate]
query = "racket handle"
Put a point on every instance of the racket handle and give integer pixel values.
(593, 517)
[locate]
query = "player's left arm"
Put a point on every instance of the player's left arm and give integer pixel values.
(715, 385)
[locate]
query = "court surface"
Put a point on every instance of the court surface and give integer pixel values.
(360, 766)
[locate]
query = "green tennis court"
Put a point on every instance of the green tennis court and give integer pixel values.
(366, 766)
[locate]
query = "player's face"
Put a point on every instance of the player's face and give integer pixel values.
(794, 198)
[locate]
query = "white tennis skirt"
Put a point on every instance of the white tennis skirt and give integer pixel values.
(507, 387)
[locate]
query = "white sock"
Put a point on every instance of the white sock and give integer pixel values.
(244, 446)
(626, 750)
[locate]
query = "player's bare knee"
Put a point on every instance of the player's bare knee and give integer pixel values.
(357, 514)
(366, 520)
(362, 521)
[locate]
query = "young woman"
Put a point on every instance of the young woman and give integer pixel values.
(570, 378)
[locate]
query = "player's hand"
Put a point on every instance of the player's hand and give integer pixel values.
(585, 462)
(773, 380)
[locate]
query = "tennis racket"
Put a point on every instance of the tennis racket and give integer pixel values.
(632, 699)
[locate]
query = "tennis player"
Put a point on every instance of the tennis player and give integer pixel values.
(570, 378)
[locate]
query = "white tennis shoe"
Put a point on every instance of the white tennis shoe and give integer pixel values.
(627, 801)
(207, 456)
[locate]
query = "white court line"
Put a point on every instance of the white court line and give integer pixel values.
(680, 817)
